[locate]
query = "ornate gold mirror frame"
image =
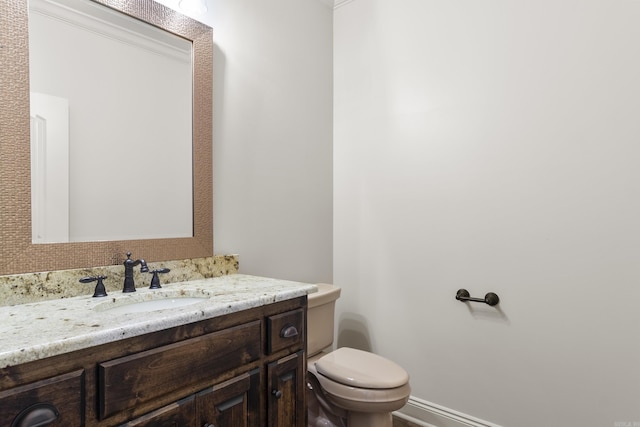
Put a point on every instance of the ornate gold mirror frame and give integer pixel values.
(17, 252)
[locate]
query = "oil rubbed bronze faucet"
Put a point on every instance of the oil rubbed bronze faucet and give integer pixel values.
(129, 284)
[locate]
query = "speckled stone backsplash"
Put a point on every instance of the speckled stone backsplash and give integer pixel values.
(34, 287)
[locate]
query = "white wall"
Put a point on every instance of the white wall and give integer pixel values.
(493, 146)
(272, 135)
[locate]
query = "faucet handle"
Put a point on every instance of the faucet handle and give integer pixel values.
(100, 290)
(155, 280)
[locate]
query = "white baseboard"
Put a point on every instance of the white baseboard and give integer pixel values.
(427, 414)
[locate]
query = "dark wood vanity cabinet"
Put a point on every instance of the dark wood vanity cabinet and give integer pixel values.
(245, 369)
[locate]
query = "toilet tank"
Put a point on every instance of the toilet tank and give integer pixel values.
(320, 313)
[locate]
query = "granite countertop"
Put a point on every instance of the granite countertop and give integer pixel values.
(38, 330)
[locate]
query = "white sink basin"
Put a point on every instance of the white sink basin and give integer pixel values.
(153, 305)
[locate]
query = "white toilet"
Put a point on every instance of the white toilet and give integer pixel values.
(347, 387)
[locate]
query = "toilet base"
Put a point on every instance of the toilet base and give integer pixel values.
(368, 419)
(319, 412)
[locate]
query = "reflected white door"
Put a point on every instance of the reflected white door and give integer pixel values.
(49, 168)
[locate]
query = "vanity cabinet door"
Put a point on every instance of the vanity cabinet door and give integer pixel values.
(179, 414)
(286, 391)
(57, 401)
(231, 403)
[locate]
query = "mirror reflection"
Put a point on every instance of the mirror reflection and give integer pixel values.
(111, 126)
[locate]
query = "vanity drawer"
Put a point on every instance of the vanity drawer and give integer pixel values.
(285, 330)
(131, 380)
(60, 398)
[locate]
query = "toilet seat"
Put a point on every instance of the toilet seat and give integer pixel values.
(361, 369)
(362, 399)
(348, 367)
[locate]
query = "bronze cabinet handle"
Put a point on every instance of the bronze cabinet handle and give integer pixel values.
(40, 414)
(288, 331)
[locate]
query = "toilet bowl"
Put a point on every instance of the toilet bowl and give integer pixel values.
(347, 387)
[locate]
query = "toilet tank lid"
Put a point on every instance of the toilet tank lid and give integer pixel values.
(325, 294)
(361, 369)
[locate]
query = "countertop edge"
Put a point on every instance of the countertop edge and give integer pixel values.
(228, 294)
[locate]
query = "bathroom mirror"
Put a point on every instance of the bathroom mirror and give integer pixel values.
(19, 254)
(91, 67)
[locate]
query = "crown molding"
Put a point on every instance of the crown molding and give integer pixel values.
(105, 22)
